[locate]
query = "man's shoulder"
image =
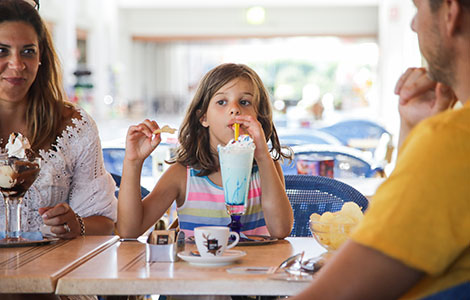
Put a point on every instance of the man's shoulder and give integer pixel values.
(452, 119)
(447, 128)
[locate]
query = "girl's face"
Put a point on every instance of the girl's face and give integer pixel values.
(19, 60)
(233, 99)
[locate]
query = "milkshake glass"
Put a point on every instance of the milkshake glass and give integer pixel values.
(236, 163)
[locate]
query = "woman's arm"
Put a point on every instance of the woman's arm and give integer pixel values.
(62, 214)
(91, 190)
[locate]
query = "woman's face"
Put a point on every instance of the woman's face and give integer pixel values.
(19, 60)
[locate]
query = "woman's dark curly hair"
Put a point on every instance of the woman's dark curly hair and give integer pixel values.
(195, 150)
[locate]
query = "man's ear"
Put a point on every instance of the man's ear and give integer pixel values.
(203, 121)
(453, 15)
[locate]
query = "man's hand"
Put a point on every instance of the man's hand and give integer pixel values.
(420, 98)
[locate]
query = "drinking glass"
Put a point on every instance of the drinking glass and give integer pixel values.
(236, 164)
(16, 177)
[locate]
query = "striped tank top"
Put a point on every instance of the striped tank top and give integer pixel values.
(204, 205)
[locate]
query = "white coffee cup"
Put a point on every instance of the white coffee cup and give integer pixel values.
(213, 240)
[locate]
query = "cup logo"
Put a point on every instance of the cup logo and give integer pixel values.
(212, 245)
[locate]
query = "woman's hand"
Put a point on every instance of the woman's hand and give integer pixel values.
(254, 129)
(62, 220)
(141, 141)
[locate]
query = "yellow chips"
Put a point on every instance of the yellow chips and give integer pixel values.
(333, 229)
(165, 128)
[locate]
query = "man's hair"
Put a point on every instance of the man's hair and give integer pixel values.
(436, 4)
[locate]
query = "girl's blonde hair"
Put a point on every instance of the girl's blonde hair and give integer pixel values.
(195, 150)
(46, 95)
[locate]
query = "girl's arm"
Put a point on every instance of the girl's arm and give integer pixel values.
(276, 206)
(136, 216)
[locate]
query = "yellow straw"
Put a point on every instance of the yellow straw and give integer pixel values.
(237, 130)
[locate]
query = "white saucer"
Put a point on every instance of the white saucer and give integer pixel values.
(228, 257)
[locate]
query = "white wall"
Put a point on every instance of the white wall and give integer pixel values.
(164, 23)
(398, 50)
(112, 25)
(100, 20)
(62, 15)
(185, 22)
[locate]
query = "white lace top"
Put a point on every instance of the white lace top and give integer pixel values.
(72, 172)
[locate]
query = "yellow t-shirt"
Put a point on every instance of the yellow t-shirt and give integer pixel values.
(421, 214)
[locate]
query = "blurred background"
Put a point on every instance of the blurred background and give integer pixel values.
(323, 61)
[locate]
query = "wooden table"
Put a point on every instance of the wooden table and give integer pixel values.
(36, 269)
(121, 269)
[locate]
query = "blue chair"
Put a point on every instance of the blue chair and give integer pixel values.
(316, 194)
(355, 129)
(349, 162)
(301, 136)
(113, 160)
(460, 291)
(117, 178)
(114, 157)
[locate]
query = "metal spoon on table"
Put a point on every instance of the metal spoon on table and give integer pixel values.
(290, 261)
(313, 264)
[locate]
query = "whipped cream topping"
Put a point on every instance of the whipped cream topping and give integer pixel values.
(243, 141)
(17, 145)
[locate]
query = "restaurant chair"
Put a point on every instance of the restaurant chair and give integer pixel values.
(117, 179)
(114, 158)
(113, 161)
(348, 162)
(355, 129)
(316, 194)
(364, 135)
(460, 291)
(302, 136)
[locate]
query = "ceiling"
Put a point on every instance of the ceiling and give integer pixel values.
(137, 4)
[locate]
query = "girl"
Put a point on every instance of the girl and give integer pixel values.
(228, 94)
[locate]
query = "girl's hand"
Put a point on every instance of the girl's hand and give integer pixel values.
(141, 141)
(251, 126)
(62, 220)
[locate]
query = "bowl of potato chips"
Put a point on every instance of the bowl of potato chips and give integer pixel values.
(332, 229)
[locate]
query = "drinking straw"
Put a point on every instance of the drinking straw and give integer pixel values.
(237, 130)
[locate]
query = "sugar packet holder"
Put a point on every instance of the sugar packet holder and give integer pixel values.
(163, 245)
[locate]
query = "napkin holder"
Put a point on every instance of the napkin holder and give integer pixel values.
(161, 252)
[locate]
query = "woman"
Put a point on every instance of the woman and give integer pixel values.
(73, 193)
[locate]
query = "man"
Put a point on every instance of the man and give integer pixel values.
(414, 240)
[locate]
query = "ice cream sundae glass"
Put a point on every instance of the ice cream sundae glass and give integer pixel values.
(236, 162)
(19, 168)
